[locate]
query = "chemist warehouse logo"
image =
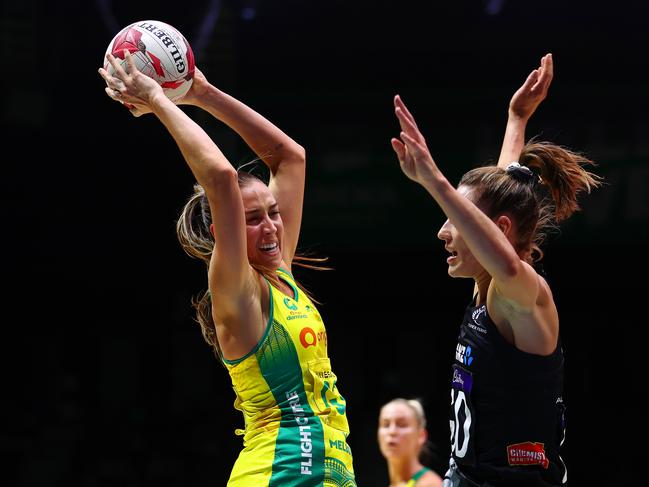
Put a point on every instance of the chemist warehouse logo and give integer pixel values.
(463, 354)
(527, 453)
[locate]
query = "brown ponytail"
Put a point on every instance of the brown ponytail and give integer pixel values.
(561, 171)
(537, 193)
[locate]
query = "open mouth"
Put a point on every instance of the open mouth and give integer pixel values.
(269, 247)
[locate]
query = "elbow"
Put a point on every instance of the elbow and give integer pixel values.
(288, 155)
(298, 154)
(511, 269)
(217, 178)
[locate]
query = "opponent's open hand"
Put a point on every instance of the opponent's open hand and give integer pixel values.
(533, 91)
(411, 149)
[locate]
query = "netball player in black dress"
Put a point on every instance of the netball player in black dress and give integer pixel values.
(506, 388)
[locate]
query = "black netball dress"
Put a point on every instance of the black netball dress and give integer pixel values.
(507, 412)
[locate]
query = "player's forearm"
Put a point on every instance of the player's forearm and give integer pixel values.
(486, 241)
(513, 140)
(270, 143)
(203, 156)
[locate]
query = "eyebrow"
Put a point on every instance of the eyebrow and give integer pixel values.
(274, 206)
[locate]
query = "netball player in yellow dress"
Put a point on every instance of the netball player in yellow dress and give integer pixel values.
(263, 326)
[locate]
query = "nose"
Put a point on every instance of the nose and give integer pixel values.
(269, 225)
(444, 232)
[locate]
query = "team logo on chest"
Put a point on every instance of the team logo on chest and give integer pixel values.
(477, 313)
(475, 316)
(290, 304)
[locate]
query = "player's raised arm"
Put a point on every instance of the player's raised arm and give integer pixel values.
(522, 106)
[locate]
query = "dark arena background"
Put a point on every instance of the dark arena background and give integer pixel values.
(106, 380)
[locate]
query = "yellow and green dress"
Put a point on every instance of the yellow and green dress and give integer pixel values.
(295, 423)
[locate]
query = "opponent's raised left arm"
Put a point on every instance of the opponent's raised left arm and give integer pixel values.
(522, 106)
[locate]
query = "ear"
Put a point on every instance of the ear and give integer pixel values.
(212, 229)
(423, 437)
(504, 223)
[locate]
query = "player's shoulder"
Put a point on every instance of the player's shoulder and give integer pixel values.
(429, 479)
(544, 295)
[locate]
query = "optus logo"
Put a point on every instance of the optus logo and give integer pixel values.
(309, 338)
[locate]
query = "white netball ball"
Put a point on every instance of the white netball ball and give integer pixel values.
(159, 51)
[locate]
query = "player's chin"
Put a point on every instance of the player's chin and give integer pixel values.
(271, 261)
(456, 273)
(391, 452)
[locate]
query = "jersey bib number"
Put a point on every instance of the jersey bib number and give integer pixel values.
(461, 418)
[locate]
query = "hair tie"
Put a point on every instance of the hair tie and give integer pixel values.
(521, 173)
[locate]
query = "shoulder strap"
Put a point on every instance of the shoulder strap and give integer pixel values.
(421, 472)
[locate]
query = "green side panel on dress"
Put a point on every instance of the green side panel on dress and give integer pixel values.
(299, 451)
